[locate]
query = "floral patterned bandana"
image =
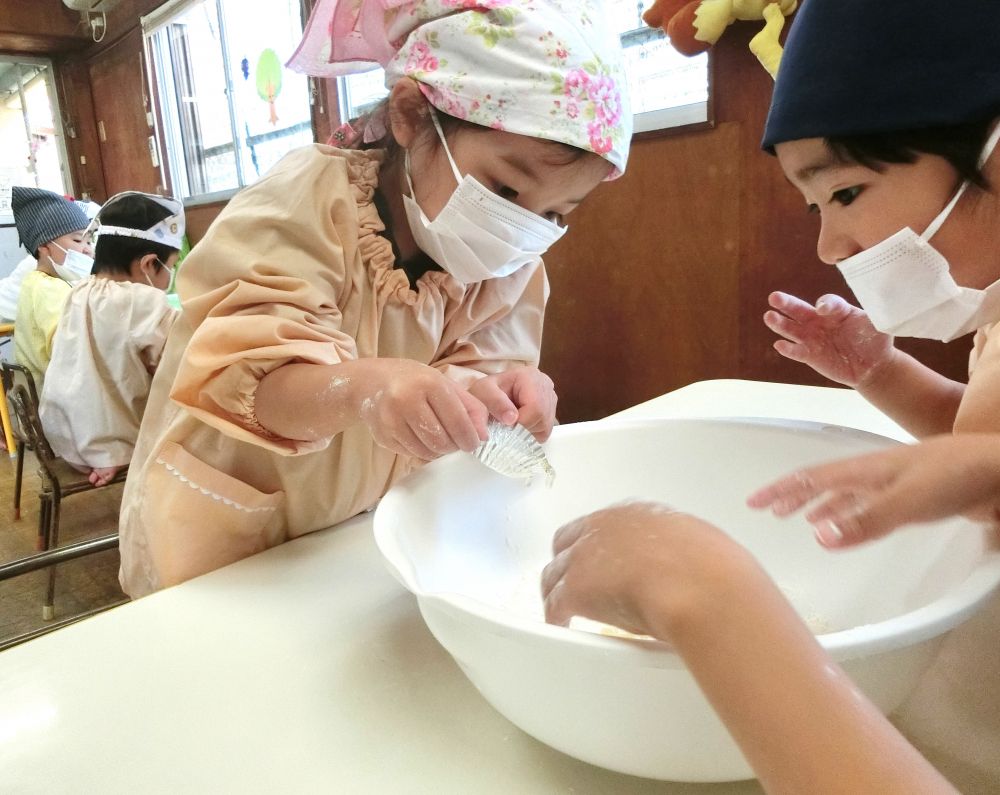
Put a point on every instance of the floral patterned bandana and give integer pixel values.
(549, 69)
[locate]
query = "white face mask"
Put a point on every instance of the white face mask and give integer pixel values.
(76, 266)
(478, 235)
(905, 286)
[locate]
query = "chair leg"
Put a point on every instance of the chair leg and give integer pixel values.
(44, 501)
(17, 480)
(48, 609)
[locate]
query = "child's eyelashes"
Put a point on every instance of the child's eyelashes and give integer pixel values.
(846, 196)
(843, 197)
(506, 192)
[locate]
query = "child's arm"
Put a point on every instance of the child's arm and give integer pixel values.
(802, 724)
(838, 341)
(869, 496)
(409, 407)
(492, 345)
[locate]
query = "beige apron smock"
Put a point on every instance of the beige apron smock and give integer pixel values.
(980, 406)
(294, 270)
(39, 307)
(954, 714)
(107, 345)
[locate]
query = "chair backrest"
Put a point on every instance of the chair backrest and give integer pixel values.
(11, 374)
(19, 400)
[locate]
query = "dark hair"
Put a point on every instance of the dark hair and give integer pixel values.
(116, 253)
(959, 144)
(558, 154)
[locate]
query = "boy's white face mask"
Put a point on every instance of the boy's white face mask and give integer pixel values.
(76, 266)
(905, 285)
(478, 235)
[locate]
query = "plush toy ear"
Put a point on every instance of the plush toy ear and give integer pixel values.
(659, 14)
(682, 31)
(677, 17)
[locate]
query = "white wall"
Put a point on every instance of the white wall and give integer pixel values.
(11, 252)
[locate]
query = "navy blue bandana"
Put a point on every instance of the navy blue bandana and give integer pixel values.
(854, 67)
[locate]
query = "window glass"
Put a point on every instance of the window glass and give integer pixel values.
(30, 133)
(230, 108)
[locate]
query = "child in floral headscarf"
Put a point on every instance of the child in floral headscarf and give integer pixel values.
(360, 310)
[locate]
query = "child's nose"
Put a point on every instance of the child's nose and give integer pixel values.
(834, 244)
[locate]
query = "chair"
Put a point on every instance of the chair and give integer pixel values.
(6, 335)
(59, 480)
(11, 374)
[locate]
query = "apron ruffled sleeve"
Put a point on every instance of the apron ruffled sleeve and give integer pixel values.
(262, 289)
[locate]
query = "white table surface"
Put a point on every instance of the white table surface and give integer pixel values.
(307, 668)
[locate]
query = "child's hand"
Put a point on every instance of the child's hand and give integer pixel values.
(521, 394)
(413, 409)
(835, 338)
(638, 566)
(867, 497)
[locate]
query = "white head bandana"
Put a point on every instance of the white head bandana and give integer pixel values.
(168, 232)
(550, 69)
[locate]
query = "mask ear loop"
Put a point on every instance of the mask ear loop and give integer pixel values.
(988, 148)
(444, 142)
(447, 151)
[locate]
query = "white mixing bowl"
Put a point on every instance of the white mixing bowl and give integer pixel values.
(470, 544)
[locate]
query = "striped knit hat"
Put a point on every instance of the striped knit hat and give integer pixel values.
(41, 216)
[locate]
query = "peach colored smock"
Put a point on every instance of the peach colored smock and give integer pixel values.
(980, 406)
(107, 345)
(295, 269)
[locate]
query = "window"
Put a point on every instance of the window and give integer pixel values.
(229, 107)
(667, 89)
(30, 131)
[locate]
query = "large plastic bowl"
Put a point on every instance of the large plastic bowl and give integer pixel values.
(470, 544)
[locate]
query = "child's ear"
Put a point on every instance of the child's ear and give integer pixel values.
(144, 266)
(407, 111)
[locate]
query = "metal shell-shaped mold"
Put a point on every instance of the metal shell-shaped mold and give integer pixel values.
(511, 450)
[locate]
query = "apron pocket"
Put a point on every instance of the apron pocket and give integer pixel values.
(200, 519)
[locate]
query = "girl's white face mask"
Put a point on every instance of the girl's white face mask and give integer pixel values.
(478, 235)
(76, 266)
(905, 285)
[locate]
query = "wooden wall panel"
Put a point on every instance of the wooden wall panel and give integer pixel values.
(645, 284)
(199, 218)
(118, 86)
(39, 27)
(80, 127)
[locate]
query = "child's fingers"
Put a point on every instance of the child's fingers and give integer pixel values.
(476, 412)
(538, 417)
(845, 525)
(838, 506)
(795, 351)
(796, 489)
(780, 324)
(570, 533)
(401, 439)
(456, 419)
(497, 402)
(553, 572)
(833, 306)
(559, 608)
(797, 309)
